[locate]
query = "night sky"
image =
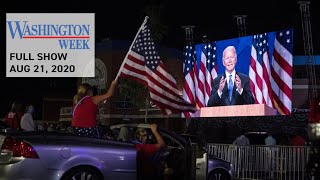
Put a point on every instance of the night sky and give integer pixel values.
(120, 20)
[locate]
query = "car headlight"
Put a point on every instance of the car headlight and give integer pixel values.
(232, 170)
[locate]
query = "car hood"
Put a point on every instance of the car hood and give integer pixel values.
(217, 163)
(215, 158)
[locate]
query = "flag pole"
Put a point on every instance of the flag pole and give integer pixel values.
(141, 27)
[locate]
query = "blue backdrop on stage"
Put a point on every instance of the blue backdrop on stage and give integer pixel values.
(243, 46)
(266, 58)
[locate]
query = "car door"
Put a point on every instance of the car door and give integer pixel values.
(201, 156)
(182, 155)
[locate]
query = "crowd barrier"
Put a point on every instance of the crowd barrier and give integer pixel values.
(264, 162)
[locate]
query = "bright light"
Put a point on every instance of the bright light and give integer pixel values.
(314, 130)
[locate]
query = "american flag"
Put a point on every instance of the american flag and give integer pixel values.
(144, 65)
(189, 78)
(281, 72)
(201, 82)
(259, 70)
(209, 56)
(198, 78)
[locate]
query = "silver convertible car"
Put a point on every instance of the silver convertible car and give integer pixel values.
(65, 156)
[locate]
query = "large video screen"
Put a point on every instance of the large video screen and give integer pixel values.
(260, 66)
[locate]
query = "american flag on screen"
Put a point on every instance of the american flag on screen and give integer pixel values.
(259, 70)
(201, 81)
(209, 56)
(144, 65)
(198, 78)
(189, 78)
(281, 71)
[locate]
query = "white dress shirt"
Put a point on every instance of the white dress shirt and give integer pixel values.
(227, 75)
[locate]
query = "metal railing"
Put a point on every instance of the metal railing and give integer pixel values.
(264, 162)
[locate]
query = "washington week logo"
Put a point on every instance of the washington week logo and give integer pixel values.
(50, 44)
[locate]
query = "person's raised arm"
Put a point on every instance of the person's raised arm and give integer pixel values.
(100, 98)
(158, 137)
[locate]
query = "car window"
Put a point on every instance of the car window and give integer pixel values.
(123, 134)
(127, 134)
(194, 140)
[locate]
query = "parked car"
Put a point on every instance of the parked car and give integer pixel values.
(6, 128)
(64, 156)
(257, 138)
(217, 168)
(3, 125)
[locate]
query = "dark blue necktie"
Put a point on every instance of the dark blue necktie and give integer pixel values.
(230, 87)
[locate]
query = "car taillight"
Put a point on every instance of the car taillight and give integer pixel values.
(19, 148)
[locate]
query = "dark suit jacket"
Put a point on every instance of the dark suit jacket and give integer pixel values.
(245, 98)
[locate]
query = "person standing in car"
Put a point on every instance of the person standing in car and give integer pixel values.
(147, 151)
(85, 107)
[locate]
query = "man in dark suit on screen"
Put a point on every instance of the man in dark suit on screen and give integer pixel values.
(230, 88)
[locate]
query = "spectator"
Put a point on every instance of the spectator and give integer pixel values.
(85, 109)
(147, 151)
(242, 140)
(27, 123)
(270, 141)
(298, 140)
(13, 117)
(314, 113)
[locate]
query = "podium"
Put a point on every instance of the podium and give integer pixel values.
(236, 110)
